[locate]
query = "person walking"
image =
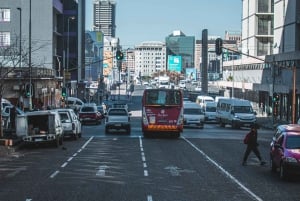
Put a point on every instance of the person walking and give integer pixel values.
(252, 145)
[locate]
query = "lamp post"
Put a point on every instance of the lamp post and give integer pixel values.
(20, 35)
(68, 46)
(29, 59)
(68, 41)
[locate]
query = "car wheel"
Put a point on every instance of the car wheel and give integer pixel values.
(272, 165)
(106, 130)
(56, 142)
(75, 136)
(60, 140)
(128, 130)
(282, 172)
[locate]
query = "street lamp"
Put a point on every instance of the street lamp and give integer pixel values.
(29, 59)
(68, 46)
(68, 41)
(20, 35)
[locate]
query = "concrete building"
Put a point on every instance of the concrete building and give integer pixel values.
(150, 57)
(215, 70)
(49, 50)
(105, 17)
(270, 47)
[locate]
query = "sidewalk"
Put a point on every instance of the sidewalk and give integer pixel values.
(267, 122)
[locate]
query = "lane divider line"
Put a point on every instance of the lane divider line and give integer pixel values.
(71, 158)
(222, 170)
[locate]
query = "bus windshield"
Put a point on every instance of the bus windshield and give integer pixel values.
(162, 97)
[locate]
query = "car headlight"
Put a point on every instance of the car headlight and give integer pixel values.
(290, 160)
(236, 117)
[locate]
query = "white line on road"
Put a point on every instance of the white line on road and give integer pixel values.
(54, 174)
(101, 171)
(149, 198)
(64, 165)
(146, 173)
(70, 159)
(224, 171)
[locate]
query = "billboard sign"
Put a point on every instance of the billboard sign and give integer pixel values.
(190, 73)
(174, 63)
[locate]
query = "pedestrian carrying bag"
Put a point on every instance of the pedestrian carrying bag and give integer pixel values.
(246, 139)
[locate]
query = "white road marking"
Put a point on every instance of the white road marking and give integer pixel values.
(101, 171)
(64, 165)
(149, 198)
(54, 174)
(28, 199)
(143, 158)
(224, 171)
(70, 159)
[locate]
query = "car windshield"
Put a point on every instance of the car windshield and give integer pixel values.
(293, 142)
(162, 97)
(87, 109)
(242, 109)
(210, 109)
(192, 111)
(64, 116)
(117, 112)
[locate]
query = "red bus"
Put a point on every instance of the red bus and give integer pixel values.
(162, 111)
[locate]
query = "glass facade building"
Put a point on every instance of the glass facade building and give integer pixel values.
(178, 44)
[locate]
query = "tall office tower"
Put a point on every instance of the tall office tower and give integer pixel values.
(105, 17)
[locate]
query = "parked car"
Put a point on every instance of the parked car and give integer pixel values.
(89, 113)
(42, 127)
(285, 150)
(70, 122)
(117, 119)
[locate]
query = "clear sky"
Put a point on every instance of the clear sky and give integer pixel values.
(152, 20)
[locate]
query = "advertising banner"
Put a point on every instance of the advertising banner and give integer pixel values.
(190, 73)
(174, 63)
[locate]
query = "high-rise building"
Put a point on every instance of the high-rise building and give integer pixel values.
(178, 44)
(105, 17)
(150, 57)
(257, 27)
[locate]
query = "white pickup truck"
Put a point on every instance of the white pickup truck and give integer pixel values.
(117, 119)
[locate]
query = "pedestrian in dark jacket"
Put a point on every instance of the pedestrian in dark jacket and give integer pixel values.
(252, 145)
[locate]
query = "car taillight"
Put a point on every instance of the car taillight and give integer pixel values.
(144, 117)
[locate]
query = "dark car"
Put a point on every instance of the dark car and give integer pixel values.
(285, 150)
(89, 114)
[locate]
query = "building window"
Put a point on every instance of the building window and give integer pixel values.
(4, 15)
(263, 46)
(4, 39)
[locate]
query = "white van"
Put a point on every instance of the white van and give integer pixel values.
(74, 103)
(193, 115)
(202, 100)
(235, 112)
(210, 109)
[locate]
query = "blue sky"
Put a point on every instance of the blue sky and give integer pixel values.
(152, 20)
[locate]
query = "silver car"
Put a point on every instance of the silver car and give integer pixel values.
(70, 122)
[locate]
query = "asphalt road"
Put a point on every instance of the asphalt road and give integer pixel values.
(203, 164)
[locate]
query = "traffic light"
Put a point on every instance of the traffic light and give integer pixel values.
(64, 92)
(119, 55)
(28, 91)
(276, 97)
(219, 46)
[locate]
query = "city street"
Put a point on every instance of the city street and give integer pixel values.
(203, 164)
